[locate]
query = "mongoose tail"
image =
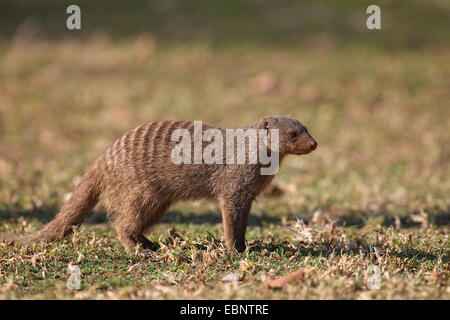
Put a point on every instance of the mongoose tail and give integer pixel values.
(73, 212)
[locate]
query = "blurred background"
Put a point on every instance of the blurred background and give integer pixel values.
(377, 101)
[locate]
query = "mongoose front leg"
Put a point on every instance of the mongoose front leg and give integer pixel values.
(235, 219)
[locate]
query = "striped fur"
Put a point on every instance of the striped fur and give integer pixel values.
(140, 182)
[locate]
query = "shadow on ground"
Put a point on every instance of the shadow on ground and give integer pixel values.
(353, 218)
(326, 249)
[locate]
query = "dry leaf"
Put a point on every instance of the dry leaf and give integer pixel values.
(278, 283)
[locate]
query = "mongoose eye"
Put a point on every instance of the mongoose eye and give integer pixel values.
(294, 134)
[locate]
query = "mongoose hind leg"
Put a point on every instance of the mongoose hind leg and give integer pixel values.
(152, 217)
(128, 240)
(130, 223)
(132, 239)
(235, 218)
(135, 221)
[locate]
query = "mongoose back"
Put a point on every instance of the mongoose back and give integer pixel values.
(140, 182)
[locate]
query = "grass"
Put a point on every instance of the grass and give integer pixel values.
(375, 192)
(191, 263)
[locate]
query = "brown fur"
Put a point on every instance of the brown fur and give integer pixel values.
(141, 182)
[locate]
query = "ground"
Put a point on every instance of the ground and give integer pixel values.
(374, 193)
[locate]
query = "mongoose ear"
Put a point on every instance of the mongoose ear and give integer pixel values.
(266, 123)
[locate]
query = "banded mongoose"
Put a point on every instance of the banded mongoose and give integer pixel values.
(140, 180)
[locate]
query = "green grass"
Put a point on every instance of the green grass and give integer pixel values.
(191, 264)
(377, 103)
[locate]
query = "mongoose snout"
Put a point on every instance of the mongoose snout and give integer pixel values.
(141, 181)
(294, 137)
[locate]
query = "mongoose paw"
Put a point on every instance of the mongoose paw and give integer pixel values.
(240, 248)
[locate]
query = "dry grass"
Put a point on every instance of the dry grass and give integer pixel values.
(191, 265)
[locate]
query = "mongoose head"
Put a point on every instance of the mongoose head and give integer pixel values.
(294, 138)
